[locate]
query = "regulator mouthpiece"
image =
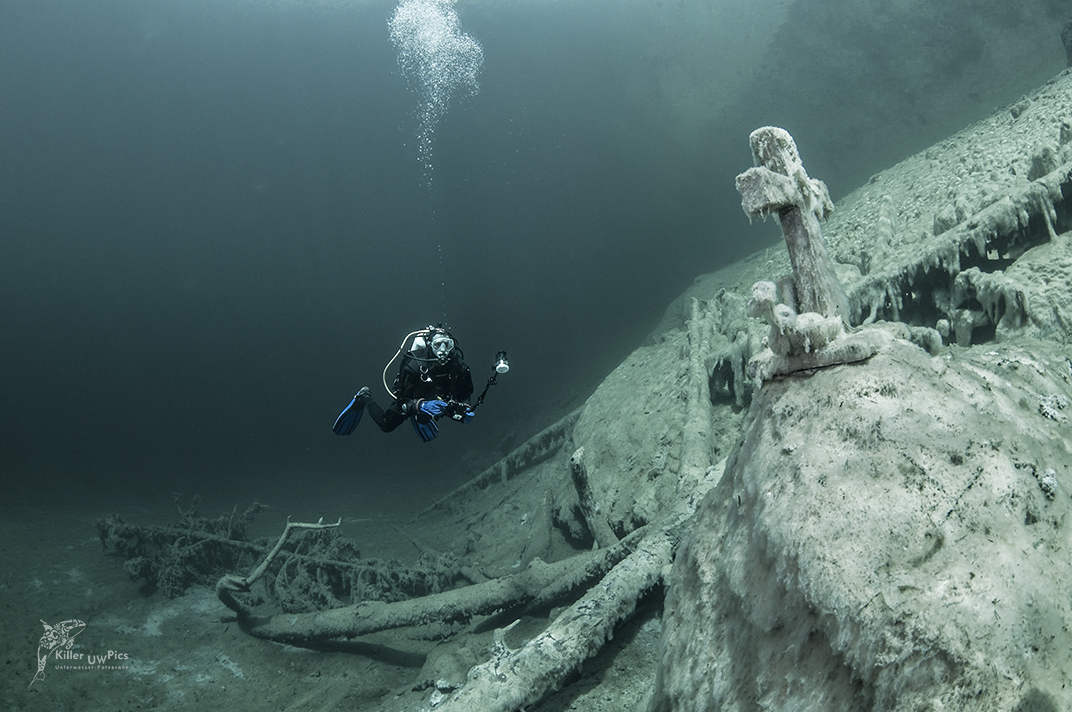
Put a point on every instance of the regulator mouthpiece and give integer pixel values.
(501, 364)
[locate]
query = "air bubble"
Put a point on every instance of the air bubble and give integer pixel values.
(438, 59)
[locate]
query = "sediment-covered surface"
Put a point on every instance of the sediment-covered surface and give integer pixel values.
(889, 536)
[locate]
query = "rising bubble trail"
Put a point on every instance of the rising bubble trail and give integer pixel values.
(438, 59)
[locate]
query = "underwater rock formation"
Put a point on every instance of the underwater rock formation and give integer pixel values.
(883, 539)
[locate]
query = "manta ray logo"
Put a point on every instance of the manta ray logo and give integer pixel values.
(57, 638)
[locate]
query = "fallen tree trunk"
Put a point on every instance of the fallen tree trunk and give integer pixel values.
(593, 517)
(542, 582)
(515, 678)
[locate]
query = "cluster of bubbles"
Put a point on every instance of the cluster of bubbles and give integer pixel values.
(438, 59)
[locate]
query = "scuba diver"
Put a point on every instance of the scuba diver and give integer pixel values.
(433, 382)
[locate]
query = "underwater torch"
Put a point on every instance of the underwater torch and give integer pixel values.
(501, 366)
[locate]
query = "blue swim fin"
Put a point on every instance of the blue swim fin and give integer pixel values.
(351, 414)
(427, 431)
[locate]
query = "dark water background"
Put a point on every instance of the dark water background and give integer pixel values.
(214, 228)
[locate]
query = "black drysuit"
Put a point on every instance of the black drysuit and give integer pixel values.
(421, 378)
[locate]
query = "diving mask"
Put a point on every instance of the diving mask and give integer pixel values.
(442, 347)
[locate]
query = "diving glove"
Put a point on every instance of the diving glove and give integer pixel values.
(351, 414)
(427, 410)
